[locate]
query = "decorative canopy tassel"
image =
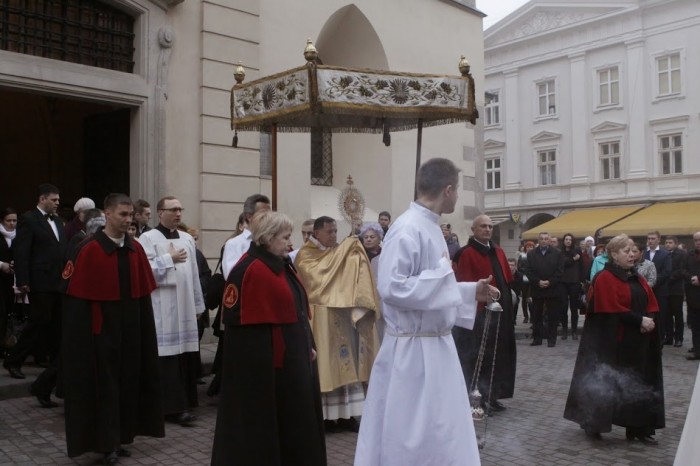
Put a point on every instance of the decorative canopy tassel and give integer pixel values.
(386, 138)
(234, 143)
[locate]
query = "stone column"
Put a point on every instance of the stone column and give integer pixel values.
(580, 152)
(511, 112)
(637, 98)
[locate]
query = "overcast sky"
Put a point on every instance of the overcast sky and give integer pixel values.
(497, 9)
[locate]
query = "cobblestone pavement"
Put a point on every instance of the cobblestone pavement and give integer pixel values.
(530, 432)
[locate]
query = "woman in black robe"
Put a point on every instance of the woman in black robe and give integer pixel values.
(618, 377)
(270, 407)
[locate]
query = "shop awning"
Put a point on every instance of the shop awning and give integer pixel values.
(669, 218)
(582, 222)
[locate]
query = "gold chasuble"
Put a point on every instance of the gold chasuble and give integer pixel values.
(343, 298)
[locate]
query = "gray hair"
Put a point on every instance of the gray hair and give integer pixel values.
(94, 224)
(267, 224)
(374, 226)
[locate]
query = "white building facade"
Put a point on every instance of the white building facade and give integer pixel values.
(172, 103)
(590, 103)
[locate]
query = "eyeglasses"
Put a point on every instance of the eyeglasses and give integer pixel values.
(174, 210)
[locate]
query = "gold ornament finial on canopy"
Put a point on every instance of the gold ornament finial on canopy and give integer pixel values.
(239, 73)
(464, 66)
(310, 52)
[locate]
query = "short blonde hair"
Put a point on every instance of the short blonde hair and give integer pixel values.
(617, 244)
(267, 224)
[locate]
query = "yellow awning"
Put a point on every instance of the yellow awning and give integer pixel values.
(669, 218)
(581, 222)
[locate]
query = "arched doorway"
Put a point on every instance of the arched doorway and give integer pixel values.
(349, 39)
(81, 146)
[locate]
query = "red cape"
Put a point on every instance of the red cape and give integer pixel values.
(612, 295)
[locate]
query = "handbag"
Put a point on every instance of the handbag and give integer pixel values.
(215, 288)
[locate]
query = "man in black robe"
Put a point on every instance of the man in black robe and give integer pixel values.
(479, 259)
(109, 351)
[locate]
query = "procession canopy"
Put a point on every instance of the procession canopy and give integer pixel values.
(350, 100)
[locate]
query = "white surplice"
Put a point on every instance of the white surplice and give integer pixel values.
(234, 250)
(688, 453)
(178, 299)
(417, 408)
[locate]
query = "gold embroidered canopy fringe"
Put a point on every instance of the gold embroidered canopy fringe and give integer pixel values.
(349, 100)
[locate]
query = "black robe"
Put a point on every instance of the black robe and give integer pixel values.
(474, 262)
(109, 350)
(270, 407)
(618, 376)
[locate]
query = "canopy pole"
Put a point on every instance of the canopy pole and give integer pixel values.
(419, 143)
(274, 166)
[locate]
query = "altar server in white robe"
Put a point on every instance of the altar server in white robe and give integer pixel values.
(688, 453)
(177, 302)
(417, 408)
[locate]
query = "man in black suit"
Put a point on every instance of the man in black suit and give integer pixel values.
(691, 273)
(662, 262)
(39, 248)
(544, 269)
(675, 327)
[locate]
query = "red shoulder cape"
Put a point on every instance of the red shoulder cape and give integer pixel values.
(95, 276)
(612, 295)
(473, 266)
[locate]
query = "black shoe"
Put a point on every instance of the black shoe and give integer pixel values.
(647, 439)
(497, 406)
(351, 425)
(691, 350)
(331, 427)
(678, 344)
(44, 400)
(551, 344)
(123, 453)
(536, 343)
(15, 372)
(565, 335)
(526, 320)
(200, 381)
(668, 342)
(110, 458)
(574, 335)
(593, 435)
(185, 419)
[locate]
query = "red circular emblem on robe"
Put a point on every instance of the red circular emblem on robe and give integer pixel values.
(68, 270)
(230, 295)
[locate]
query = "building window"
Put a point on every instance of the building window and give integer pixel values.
(321, 157)
(547, 166)
(492, 109)
(671, 152)
(610, 160)
(609, 86)
(668, 69)
(493, 173)
(88, 32)
(547, 98)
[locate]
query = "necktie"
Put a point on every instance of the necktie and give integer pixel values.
(49, 217)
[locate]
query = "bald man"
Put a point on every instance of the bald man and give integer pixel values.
(479, 259)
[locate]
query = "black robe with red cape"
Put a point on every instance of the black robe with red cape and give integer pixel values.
(474, 262)
(618, 376)
(109, 350)
(270, 404)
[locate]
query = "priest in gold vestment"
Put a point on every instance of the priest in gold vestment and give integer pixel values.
(345, 307)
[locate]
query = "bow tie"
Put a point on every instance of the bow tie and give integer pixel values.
(49, 217)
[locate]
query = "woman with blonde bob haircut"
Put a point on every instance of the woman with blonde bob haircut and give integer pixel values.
(618, 377)
(270, 407)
